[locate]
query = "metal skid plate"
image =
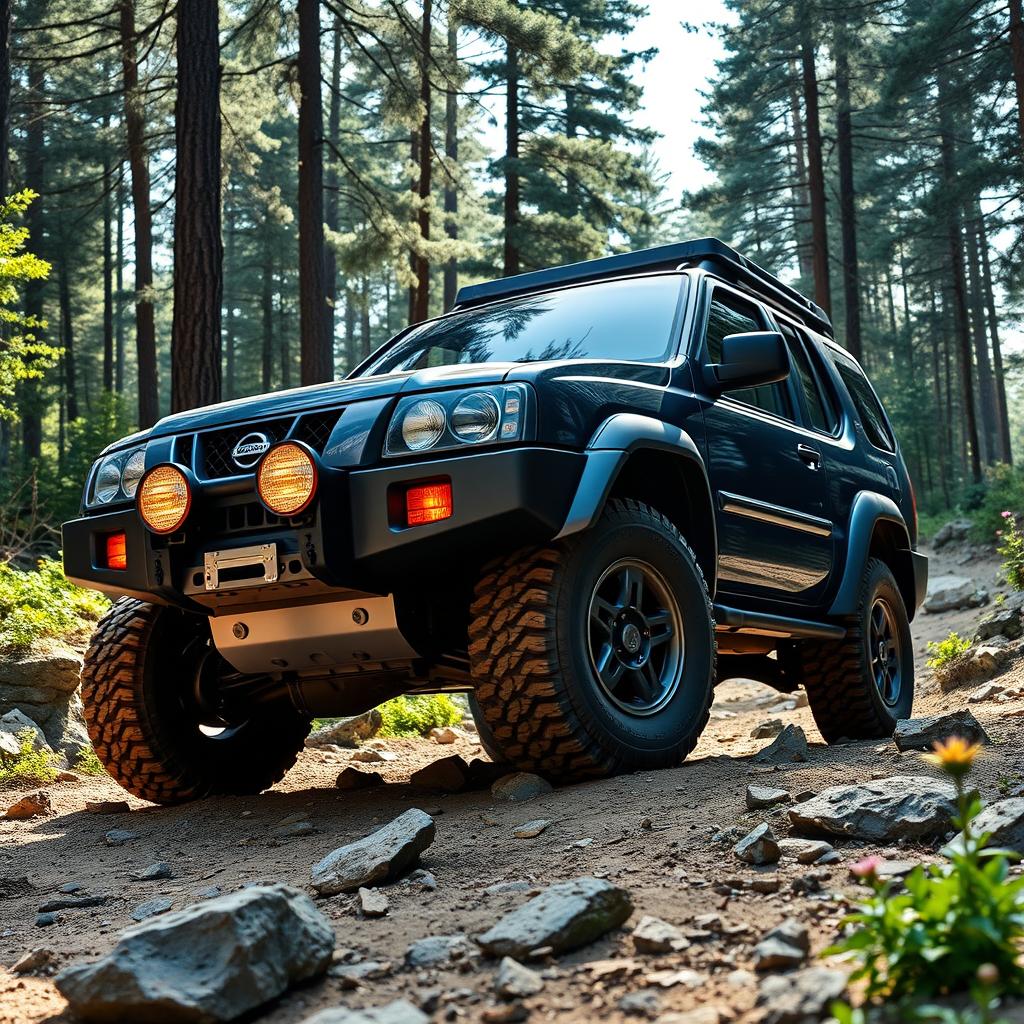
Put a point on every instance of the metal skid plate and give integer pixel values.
(256, 557)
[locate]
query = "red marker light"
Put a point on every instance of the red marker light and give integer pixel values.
(428, 503)
(116, 550)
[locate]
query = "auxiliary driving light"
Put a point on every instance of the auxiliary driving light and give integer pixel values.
(164, 498)
(428, 503)
(286, 479)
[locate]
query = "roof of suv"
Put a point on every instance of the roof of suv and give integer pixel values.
(709, 254)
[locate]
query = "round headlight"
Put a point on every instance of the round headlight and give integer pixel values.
(164, 499)
(476, 418)
(108, 481)
(423, 425)
(286, 479)
(132, 472)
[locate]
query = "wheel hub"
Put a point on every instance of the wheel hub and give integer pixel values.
(884, 652)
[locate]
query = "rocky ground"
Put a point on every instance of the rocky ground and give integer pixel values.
(667, 838)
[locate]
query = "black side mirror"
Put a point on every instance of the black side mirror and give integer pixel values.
(750, 360)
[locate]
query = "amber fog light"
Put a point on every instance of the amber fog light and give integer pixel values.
(286, 479)
(164, 499)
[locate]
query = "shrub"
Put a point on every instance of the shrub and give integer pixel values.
(418, 714)
(88, 763)
(29, 766)
(945, 654)
(1003, 489)
(1011, 547)
(41, 603)
(958, 925)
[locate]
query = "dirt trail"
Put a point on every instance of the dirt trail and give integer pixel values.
(670, 862)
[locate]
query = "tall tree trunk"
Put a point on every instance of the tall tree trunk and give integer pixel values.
(1005, 448)
(317, 359)
(511, 206)
(331, 199)
(956, 257)
(451, 151)
(801, 200)
(426, 166)
(35, 174)
(414, 187)
(108, 277)
(282, 329)
(364, 314)
(229, 304)
(847, 193)
(987, 403)
(815, 170)
(198, 250)
(145, 326)
(5, 97)
(1017, 57)
(351, 344)
(119, 287)
(67, 340)
(267, 307)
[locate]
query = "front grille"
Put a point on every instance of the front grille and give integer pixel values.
(241, 518)
(217, 445)
(315, 428)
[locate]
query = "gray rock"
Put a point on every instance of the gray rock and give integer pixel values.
(759, 797)
(119, 836)
(520, 786)
(47, 918)
(33, 960)
(353, 975)
(767, 729)
(153, 873)
(789, 746)
(370, 755)
(785, 946)
(514, 980)
(150, 908)
(347, 732)
(440, 949)
(759, 847)
(213, 961)
(373, 903)
(948, 593)
(902, 806)
(985, 692)
(645, 1003)
(952, 532)
(564, 916)
(800, 997)
(1004, 620)
(531, 829)
(293, 829)
(805, 851)
(398, 1012)
(15, 722)
(652, 935)
(384, 855)
(71, 903)
(1004, 819)
(923, 733)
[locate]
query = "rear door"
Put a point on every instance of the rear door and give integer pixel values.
(768, 476)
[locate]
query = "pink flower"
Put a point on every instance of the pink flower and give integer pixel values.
(867, 868)
(1006, 514)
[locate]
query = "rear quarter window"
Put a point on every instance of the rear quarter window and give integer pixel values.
(869, 409)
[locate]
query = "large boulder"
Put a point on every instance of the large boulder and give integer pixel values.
(1004, 820)
(564, 916)
(903, 806)
(379, 857)
(43, 685)
(952, 532)
(924, 733)
(949, 593)
(213, 961)
(1006, 619)
(347, 732)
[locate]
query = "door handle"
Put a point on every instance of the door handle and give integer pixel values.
(809, 455)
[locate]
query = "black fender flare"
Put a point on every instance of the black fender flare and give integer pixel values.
(608, 451)
(869, 508)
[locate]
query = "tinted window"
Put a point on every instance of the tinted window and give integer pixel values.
(729, 315)
(868, 407)
(818, 411)
(627, 319)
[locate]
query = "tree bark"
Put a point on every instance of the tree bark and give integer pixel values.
(282, 329)
(1005, 447)
(1017, 57)
(426, 166)
(331, 201)
(145, 326)
(364, 315)
(847, 193)
(5, 97)
(414, 187)
(35, 174)
(987, 403)
(801, 200)
(230, 370)
(67, 340)
(511, 205)
(815, 171)
(119, 287)
(198, 250)
(451, 151)
(267, 308)
(317, 362)
(108, 277)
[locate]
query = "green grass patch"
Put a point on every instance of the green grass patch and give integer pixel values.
(87, 763)
(418, 714)
(29, 766)
(40, 603)
(945, 652)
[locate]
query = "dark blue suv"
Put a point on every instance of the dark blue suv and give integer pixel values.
(583, 496)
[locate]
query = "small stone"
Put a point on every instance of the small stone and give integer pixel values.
(789, 746)
(70, 887)
(293, 829)
(444, 736)
(701, 1015)
(531, 829)
(800, 699)
(805, 851)
(514, 980)
(449, 774)
(155, 872)
(506, 1013)
(119, 836)
(800, 996)
(45, 919)
(33, 960)
(354, 778)
(767, 730)
(209, 893)
(422, 878)
(29, 807)
(785, 946)
(644, 1003)
(71, 903)
(759, 847)
(923, 733)
(372, 902)
(436, 950)
(150, 908)
(652, 935)
(370, 755)
(670, 978)
(107, 806)
(520, 786)
(353, 975)
(760, 797)
(985, 692)
(765, 884)
(398, 1012)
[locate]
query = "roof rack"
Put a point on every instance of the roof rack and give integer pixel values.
(708, 254)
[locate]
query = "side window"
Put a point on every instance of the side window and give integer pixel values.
(868, 407)
(819, 410)
(730, 315)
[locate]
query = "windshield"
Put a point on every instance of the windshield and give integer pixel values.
(625, 319)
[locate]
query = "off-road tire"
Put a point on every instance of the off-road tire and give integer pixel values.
(538, 696)
(141, 732)
(837, 674)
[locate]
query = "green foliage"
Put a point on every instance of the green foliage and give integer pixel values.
(1003, 489)
(88, 763)
(417, 715)
(1012, 550)
(956, 925)
(22, 355)
(29, 765)
(946, 652)
(41, 603)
